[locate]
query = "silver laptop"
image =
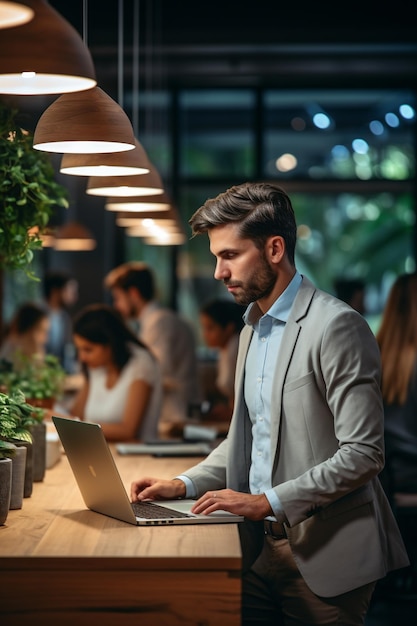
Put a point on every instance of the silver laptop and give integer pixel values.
(102, 488)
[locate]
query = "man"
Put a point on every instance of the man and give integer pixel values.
(61, 293)
(167, 335)
(352, 291)
(305, 443)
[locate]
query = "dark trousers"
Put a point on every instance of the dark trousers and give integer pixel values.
(275, 594)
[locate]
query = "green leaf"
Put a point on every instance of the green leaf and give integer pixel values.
(29, 193)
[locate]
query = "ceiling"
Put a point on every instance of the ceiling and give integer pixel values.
(263, 42)
(184, 43)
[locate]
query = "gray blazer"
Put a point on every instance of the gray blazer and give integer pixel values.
(327, 445)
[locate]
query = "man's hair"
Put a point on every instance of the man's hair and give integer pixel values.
(346, 288)
(260, 209)
(134, 274)
(55, 280)
(224, 312)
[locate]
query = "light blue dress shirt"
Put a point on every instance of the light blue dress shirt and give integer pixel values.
(260, 366)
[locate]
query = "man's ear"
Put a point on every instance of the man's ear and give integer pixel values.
(275, 248)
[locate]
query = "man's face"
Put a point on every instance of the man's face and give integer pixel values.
(124, 303)
(243, 268)
(70, 293)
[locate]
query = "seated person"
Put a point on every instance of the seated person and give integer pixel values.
(221, 322)
(27, 335)
(122, 389)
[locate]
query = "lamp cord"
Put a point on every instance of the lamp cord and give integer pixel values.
(135, 69)
(85, 22)
(120, 54)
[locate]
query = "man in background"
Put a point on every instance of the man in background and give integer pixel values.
(166, 333)
(351, 291)
(61, 293)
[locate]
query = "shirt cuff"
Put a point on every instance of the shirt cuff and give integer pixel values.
(190, 490)
(276, 506)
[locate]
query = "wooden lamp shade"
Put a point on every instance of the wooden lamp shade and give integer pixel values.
(126, 186)
(84, 122)
(125, 163)
(44, 56)
(127, 220)
(73, 236)
(166, 239)
(139, 204)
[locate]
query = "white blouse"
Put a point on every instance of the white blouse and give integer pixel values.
(108, 405)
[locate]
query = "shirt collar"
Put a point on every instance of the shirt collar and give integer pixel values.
(149, 308)
(280, 309)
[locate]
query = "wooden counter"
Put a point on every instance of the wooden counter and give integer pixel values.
(61, 564)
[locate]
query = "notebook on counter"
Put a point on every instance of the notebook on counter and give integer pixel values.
(102, 488)
(196, 441)
(165, 448)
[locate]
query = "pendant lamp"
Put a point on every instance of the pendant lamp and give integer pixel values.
(73, 236)
(139, 204)
(162, 232)
(147, 225)
(126, 186)
(125, 163)
(157, 231)
(45, 56)
(14, 14)
(166, 239)
(127, 220)
(151, 229)
(84, 123)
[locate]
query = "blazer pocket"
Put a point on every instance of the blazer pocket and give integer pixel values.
(295, 383)
(363, 495)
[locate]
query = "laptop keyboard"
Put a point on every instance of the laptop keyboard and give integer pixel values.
(149, 510)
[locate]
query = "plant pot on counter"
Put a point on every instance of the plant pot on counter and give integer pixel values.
(38, 432)
(28, 477)
(41, 403)
(18, 477)
(5, 488)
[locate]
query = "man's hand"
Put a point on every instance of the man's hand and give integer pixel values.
(148, 488)
(253, 507)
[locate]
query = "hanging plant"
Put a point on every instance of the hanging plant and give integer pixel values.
(28, 194)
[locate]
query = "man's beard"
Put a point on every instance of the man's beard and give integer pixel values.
(258, 285)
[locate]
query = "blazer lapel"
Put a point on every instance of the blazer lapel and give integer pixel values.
(289, 339)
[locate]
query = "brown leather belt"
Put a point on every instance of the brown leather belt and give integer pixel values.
(275, 530)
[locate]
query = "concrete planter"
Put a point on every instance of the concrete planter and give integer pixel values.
(5, 488)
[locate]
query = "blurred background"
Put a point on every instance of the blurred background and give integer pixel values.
(316, 96)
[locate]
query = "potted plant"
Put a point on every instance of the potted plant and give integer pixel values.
(28, 193)
(7, 450)
(41, 381)
(16, 417)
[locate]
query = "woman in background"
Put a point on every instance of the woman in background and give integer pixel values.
(27, 335)
(397, 339)
(221, 322)
(122, 388)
